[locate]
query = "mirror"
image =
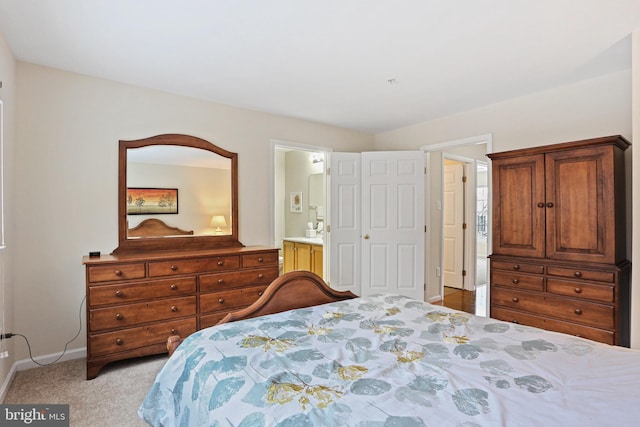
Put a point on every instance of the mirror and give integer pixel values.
(176, 191)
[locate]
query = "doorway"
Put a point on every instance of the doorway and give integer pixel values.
(458, 215)
(299, 205)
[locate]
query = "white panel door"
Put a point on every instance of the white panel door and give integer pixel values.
(344, 216)
(452, 221)
(393, 223)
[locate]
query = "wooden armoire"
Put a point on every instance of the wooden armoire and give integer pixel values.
(558, 260)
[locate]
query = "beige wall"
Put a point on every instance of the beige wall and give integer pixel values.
(68, 126)
(7, 255)
(588, 109)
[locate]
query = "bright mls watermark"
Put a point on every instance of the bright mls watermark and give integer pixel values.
(34, 415)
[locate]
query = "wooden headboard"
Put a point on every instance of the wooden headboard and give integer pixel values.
(153, 227)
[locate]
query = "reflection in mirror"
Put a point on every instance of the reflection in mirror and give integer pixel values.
(176, 192)
(202, 180)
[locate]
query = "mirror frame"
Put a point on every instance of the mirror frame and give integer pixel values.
(146, 244)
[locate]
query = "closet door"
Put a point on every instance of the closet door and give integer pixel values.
(580, 205)
(519, 206)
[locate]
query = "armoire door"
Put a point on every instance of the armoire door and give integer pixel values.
(580, 205)
(519, 206)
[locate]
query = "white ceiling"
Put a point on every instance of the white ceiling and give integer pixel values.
(330, 61)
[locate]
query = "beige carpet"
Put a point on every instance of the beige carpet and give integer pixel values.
(112, 399)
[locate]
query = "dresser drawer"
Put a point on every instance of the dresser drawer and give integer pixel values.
(123, 293)
(231, 299)
(588, 313)
(221, 281)
(195, 265)
(517, 266)
(260, 260)
(142, 336)
(133, 314)
(212, 319)
(111, 272)
(580, 289)
(577, 273)
(601, 335)
(517, 280)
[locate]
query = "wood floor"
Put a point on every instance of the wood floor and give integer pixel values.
(469, 301)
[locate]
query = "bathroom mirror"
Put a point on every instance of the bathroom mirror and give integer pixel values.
(176, 192)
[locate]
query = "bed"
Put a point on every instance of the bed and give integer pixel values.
(153, 227)
(387, 360)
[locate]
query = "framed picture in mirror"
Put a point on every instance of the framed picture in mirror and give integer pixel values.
(152, 201)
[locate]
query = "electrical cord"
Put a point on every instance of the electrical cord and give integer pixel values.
(9, 335)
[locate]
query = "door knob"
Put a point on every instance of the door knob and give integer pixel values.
(366, 237)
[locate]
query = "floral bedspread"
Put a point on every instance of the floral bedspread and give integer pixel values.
(387, 360)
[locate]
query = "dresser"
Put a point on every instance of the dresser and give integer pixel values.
(136, 301)
(559, 239)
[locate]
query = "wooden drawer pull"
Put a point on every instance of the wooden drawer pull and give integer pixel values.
(260, 276)
(221, 300)
(515, 281)
(118, 273)
(119, 294)
(119, 316)
(173, 287)
(550, 204)
(578, 290)
(174, 331)
(174, 308)
(119, 341)
(220, 263)
(577, 311)
(260, 293)
(515, 299)
(174, 268)
(515, 321)
(220, 281)
(540, 205)
(516, 267)
(260, 259)
(578, 274)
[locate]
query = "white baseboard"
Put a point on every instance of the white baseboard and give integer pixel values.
(24, 364)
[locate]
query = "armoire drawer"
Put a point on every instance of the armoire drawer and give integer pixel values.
(111, 272)
(123, 293)
(579, 273)
(231, 299)
(133, 314)
(191, 266)
(133, 338)
(220, 281)
(573, 310)
(518, 317)
(581, 289)
(517, 280)
(521, 267)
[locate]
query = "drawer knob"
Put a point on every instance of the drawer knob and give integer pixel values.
(118, 273)
(578, 274)
(174, 268)
(174, 287)
(221, 300)
(260, 276)
(515, 281)
(260, 293)
(174, 331)
(577, 311)
(578, 290)
(119, 341)
(119, 294)
(540, 205)
(550, 204)
(174, 308)
(260, 259)
(514, 321)
(515, 299)
(119, 316)
(516, 267)
(220, 263)
(220, 281)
